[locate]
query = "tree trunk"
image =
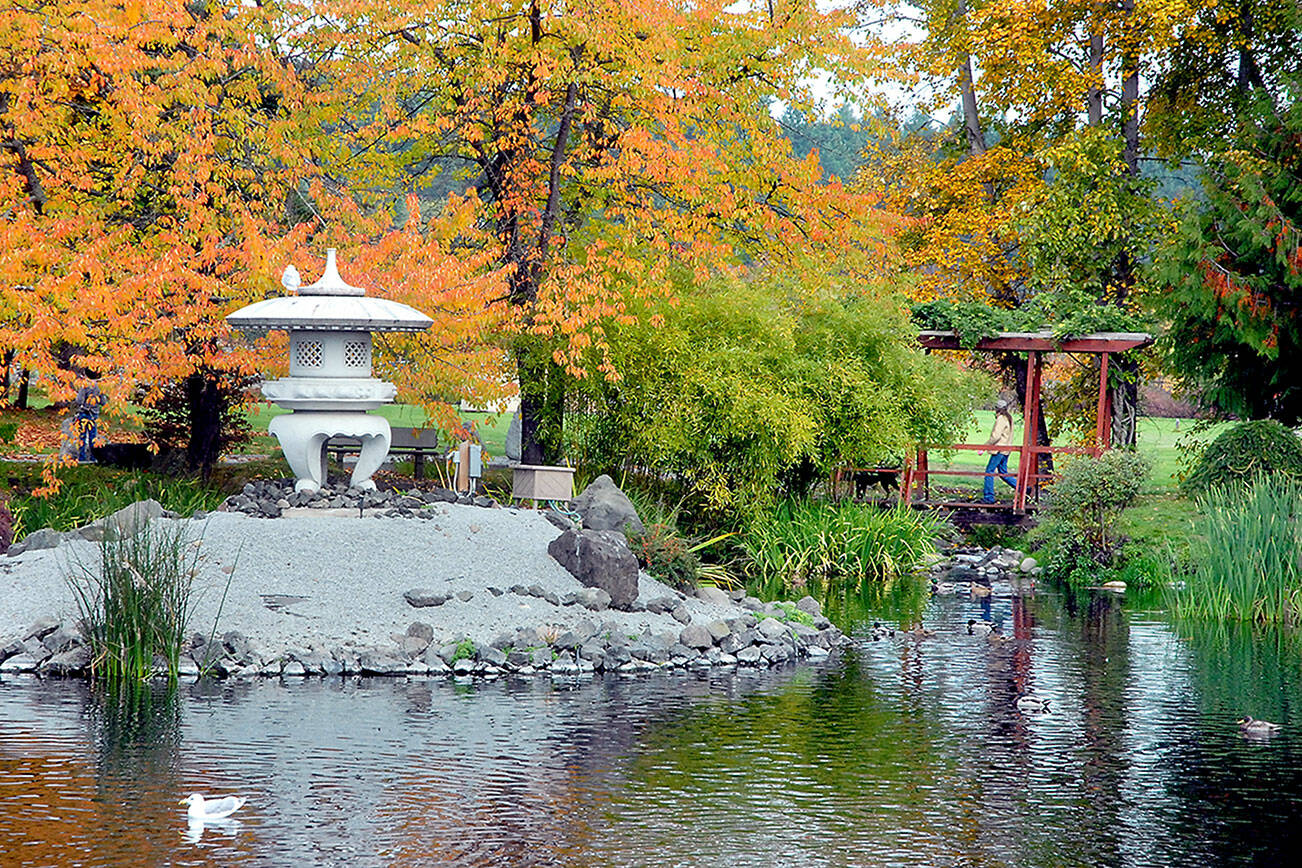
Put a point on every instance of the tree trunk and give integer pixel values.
(1124, 383)
(976, 137)
(4, 386)
(542, 403)
(1125, 380)
(1094, 96)
(205, 404)
(24, 381)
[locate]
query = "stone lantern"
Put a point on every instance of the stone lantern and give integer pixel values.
(329, 387)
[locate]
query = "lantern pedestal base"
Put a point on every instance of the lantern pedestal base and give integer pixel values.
(303, 433)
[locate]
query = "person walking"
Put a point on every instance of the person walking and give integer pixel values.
(1000, 435)
(90, 400)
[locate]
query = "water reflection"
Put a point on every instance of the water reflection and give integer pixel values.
(907, 751)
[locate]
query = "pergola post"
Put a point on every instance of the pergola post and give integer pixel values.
(1103, 426)
(1028, 462)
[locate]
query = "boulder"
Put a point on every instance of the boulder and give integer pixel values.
(512, 447)
(599, 559)
(713, 596)
(131, 520)
(696, 636)
(809, 606)
(604, 507)
(45, 538)
(422, 597)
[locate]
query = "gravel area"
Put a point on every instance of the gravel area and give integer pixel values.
(330, 580)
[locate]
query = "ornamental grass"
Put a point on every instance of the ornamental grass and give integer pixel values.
(804, 542)
(1247, 556)
(135, 602)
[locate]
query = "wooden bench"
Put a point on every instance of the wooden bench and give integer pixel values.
(419, 444)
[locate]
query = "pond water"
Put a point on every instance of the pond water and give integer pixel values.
(900, 752)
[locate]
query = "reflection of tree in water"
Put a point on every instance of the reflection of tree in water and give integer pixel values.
(549, 804)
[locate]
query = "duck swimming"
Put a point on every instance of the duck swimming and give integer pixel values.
(1029, 703)
(1249, 725)
(979, 628)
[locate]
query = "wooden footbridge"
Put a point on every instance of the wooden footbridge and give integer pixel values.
(915, 477)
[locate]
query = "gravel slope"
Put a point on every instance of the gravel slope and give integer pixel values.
(329, 580)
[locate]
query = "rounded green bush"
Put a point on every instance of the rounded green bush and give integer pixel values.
(1245, 452)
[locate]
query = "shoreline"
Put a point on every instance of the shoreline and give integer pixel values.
(461, 590)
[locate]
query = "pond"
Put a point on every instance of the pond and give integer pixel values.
(903, 751)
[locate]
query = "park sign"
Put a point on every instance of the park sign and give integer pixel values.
(329, 387)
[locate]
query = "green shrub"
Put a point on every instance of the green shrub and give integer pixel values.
(1080, 525)
(1243, 453)
(1247, 555)
(803, 542)
(754, 389)
(666, 555)
(135, 603)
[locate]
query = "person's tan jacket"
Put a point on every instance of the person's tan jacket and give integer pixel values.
(1002, 433)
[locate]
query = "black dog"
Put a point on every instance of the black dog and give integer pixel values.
(866, 479)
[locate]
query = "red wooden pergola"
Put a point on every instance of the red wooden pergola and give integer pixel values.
(917, 473)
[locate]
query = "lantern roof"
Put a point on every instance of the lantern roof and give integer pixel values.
(330, 304)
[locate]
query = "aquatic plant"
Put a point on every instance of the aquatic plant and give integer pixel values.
(1247, 555)
(135, 602)
(804, 541)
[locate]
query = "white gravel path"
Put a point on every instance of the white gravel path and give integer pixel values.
(350, 574)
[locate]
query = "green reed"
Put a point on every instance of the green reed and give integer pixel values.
(135, 603)
(1247, 556)
(804, 542)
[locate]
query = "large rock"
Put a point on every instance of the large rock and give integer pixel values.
(45, 538)
(129, 520)
(599, 559)
(512, 446)
(604, 507)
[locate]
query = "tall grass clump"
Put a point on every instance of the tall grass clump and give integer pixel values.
(803, 542)
(135, 603)
(1247, 556)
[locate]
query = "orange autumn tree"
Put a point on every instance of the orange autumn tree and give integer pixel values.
(147, 152)
(158, 168)
(604, 141)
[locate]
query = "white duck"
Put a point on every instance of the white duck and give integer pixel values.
(203, 809)
(979, 628)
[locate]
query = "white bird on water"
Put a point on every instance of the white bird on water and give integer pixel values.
(203, 809)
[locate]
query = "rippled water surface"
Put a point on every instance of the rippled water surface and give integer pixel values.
(904, 751)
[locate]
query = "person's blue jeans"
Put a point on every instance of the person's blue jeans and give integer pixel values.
(87, 430)
(998, 463)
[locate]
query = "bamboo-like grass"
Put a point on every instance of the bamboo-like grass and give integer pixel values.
(1247, 556)
(839, 544)
(135, 603)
